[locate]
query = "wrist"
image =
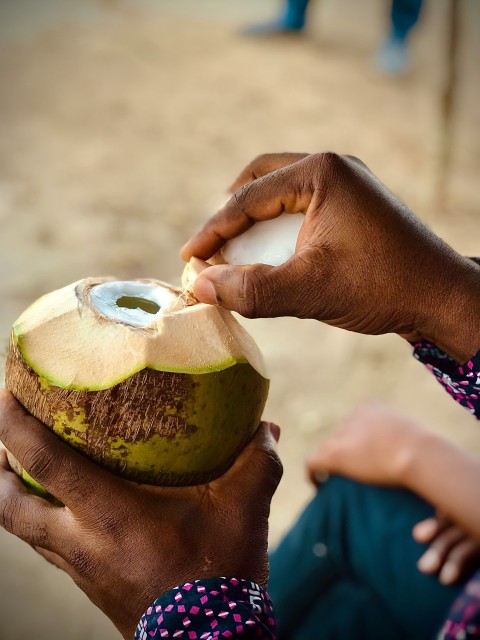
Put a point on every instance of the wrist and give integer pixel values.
(451, 315)
(411, 457)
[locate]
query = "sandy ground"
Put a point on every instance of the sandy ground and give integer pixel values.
(121, 124)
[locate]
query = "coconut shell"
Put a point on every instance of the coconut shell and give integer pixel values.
(155, 427)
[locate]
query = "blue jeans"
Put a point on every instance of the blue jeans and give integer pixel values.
(404, 16)
(347, 569)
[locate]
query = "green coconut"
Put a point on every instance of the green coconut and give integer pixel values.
(135, 376)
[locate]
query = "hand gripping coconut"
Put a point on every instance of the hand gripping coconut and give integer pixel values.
(147, 384)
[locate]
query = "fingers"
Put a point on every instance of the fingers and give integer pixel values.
(34, 520)
(459, 560)
(258, 466)
(427, 529)
(264, 164)
(65, 473)
(287, 189)
(438, 556)
(263, 291)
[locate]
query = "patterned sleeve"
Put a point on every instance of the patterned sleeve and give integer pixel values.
(463, 622)
(462, 382)
(209, 609)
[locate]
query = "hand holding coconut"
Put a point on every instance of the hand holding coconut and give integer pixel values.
(363, 261)
(123, 543)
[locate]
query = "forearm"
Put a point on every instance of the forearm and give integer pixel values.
(452, 310)
(446, 477)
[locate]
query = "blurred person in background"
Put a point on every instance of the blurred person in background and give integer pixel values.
(392, 57)
(373, 555)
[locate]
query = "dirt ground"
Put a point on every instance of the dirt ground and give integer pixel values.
(122, 123)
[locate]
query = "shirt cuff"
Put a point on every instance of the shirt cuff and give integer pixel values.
(463, 621)
(208, 609)
(462, 382)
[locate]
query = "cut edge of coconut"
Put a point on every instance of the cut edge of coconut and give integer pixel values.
(197, 336)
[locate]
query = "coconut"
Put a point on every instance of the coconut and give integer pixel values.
(138, 376)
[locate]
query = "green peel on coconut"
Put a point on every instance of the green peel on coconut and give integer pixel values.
(147, 384)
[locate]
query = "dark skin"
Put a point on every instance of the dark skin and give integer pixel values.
(123, 543)
(363, 261)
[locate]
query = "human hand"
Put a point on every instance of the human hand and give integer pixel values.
(372, 444)
(363, 261)
(123, 543)
(451, 553)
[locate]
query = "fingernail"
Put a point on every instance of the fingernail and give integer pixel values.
(204, 291)
(449, 573)
(429, 562)
(275, 431)
(425, 529)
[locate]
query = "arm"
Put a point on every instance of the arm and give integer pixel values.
(363, 261)
(379, 446)
(125, 544)
(444, 476)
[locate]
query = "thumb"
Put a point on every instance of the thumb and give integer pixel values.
(258, 468)
(258, 290)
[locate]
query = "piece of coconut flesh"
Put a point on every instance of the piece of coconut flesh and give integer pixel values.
(270, 242)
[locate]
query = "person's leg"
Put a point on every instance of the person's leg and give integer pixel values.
(404, 15)
(292, 19)
(345, 612)
(361, 534)
(295, 14)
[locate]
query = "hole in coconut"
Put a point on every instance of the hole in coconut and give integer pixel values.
(131, 302)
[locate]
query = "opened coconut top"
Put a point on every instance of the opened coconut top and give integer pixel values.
(97, 332)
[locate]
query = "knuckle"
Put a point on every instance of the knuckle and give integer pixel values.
(42, 463)
(260, 161)
(10, 507)
(355, 160)
(15, 517)
(270, 469)
(255, 295)
(240, 196)
(328, 163)
(276, 468)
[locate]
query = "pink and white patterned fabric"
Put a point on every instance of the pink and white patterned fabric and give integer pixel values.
(462, 382)
(211, 609)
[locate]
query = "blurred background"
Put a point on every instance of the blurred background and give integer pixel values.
(122, 123)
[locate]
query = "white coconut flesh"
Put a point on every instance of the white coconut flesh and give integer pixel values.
(135, 303)
(95, 333)
(270, 242)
